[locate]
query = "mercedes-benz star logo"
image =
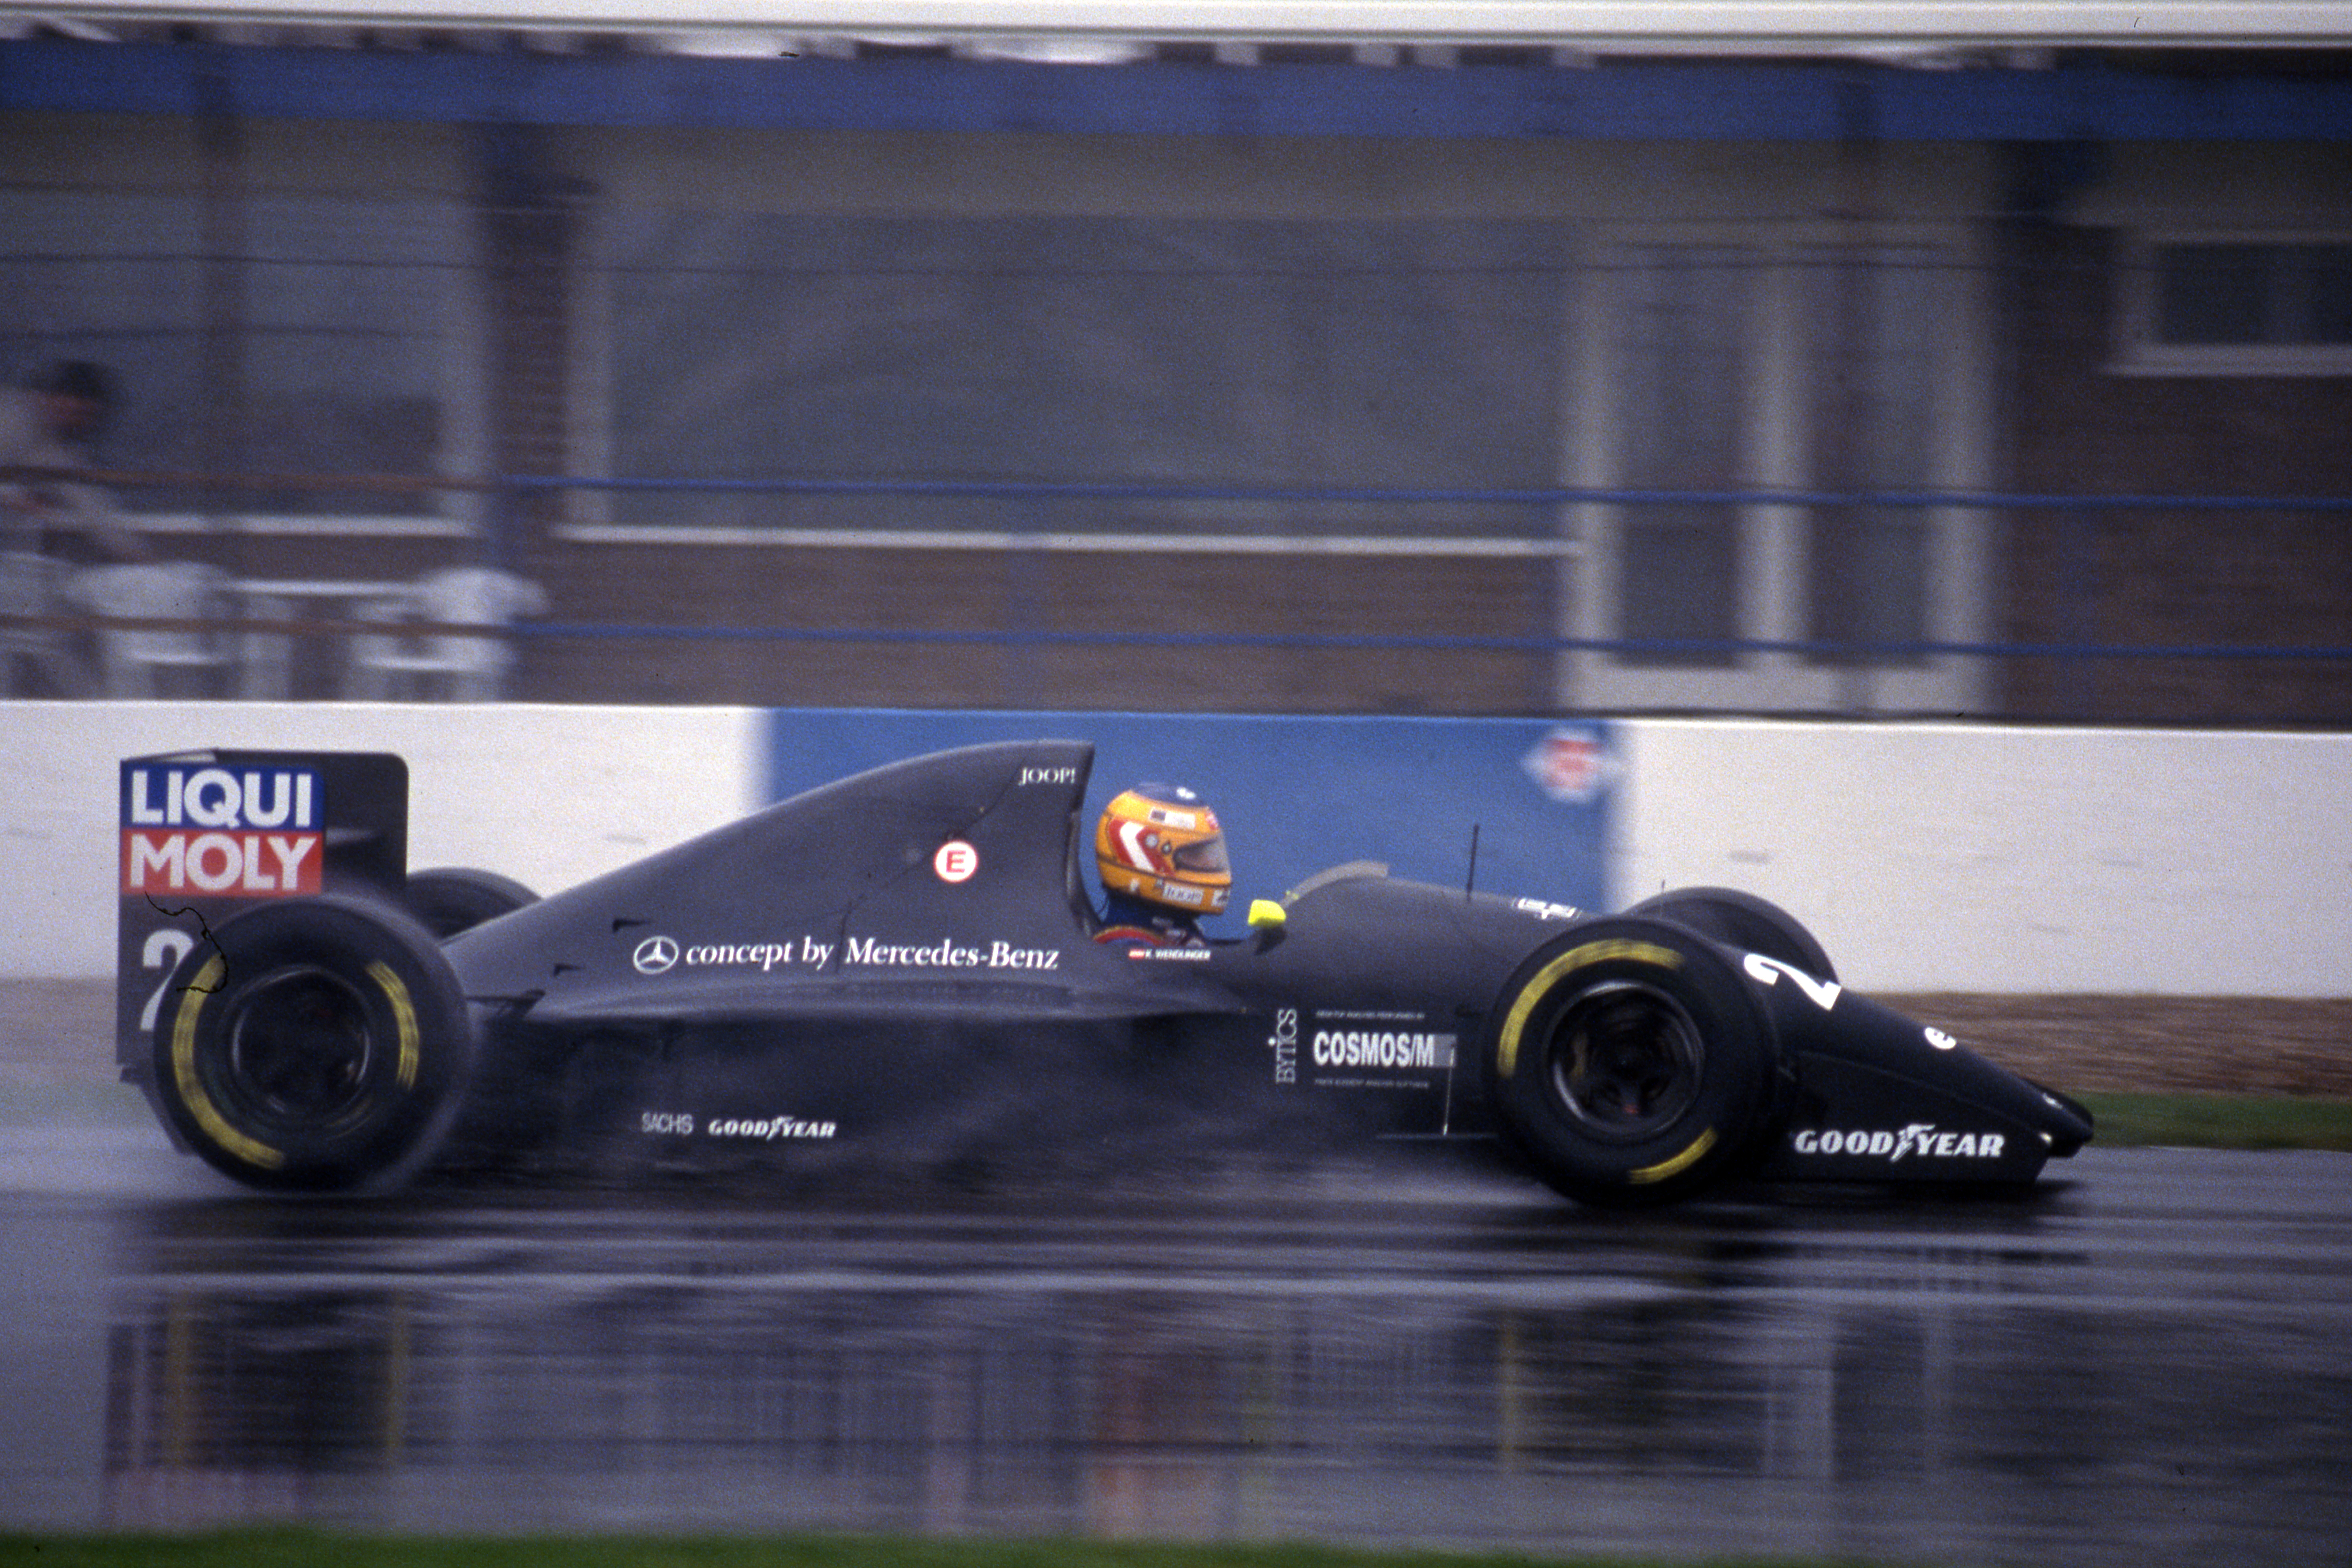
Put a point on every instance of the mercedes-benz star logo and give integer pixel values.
(655, 955)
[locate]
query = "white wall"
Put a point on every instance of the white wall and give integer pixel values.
(1979, 858)
(1926, 857)
(547, 796)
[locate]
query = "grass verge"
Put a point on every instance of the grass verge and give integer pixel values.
(2220, 1120)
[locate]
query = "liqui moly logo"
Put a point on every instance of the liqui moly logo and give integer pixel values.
(229, 832)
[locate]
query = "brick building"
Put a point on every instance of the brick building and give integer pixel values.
(1518, 374)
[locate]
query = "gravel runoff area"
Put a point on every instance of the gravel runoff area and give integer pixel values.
(2159, 1045)
(55, 1034)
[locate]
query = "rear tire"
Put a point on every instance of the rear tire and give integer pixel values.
(314, 1045)
(455, 898)
(1742, 920)
(1631, 1064)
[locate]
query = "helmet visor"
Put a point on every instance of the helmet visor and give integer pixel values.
(1205, 858)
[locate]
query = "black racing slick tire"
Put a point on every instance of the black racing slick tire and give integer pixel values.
(1742, 920)
(318, 1044)
(1631, 1064)
(454, 898)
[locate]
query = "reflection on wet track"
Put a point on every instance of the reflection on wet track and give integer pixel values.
(2147, 1361)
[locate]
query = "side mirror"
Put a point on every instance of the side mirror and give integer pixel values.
(1269, 920)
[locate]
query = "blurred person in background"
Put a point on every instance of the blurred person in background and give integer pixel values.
(51, 526)
(53, 423)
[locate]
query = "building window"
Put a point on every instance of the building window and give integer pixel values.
(332, 337)
(1767, 366)
(1044, 349)
(2232, 305)
(1684, 357)
(1871, 318)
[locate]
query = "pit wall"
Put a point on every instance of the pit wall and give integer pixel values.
(1927, 857)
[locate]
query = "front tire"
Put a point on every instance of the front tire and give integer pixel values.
(1631, 1064)
(1742, 920)
(314, 1045)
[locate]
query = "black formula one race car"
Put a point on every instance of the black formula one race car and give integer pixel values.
(914, 949)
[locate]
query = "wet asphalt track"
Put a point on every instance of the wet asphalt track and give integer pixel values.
(2149, 1362)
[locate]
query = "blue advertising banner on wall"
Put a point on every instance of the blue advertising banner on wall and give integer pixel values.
(1296, 795)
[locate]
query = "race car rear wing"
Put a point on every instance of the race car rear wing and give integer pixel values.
(207, 833)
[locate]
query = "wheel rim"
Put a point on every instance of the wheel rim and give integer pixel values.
(1625, 1060)
(297, 1052)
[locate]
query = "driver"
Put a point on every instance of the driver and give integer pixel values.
(1162, 861)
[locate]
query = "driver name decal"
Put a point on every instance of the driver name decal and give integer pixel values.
(234, 833)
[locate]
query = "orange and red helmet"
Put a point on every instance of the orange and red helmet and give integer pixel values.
(1161, 843)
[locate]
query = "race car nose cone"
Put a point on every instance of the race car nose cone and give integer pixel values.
(2066, 1122)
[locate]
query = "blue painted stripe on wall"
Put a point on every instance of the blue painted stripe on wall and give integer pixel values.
(1699, 101)
(1296, 795)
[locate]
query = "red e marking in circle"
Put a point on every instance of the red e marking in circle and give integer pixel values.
(956, 861)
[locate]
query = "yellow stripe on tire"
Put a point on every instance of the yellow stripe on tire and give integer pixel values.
(1682, 1161)
(1532, 994)
(403, 1015)
(215, 1126)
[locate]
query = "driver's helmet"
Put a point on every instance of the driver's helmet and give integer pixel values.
(1161, 843)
